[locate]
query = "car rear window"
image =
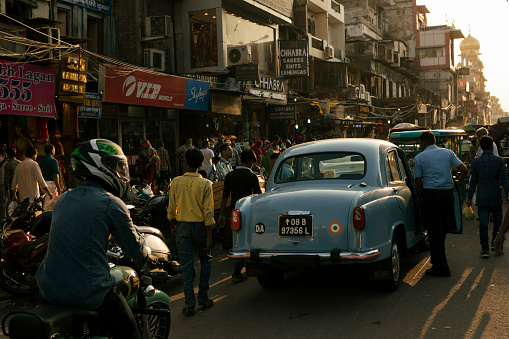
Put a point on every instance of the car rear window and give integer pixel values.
(321, 166)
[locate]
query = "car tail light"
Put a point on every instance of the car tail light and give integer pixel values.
(235, 221)
(358, 218)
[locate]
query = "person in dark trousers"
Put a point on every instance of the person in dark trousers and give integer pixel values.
(239, 184)
(488, 172)
(191, 215)
(51, 174)
(434, 185)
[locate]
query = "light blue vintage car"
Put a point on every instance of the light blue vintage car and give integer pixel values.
(331, 202)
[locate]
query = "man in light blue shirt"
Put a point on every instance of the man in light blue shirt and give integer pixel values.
(434, 185)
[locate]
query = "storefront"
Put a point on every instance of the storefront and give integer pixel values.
(259, 95)
(141, 105)
(27, 105)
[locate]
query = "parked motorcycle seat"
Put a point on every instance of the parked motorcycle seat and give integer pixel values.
(40, 322)
(29, 247)
(44, 321)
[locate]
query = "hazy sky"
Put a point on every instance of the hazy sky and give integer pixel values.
(488, 23)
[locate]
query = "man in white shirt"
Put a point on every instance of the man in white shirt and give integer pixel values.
(28, 177)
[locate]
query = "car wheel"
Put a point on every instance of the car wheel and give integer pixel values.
(270, 278)
(392, 266)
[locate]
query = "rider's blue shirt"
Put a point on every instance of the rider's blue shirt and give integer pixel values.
(75, 270)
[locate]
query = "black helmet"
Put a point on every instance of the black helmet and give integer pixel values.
(103, 161)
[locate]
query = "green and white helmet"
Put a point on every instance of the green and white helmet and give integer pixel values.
(103, 161)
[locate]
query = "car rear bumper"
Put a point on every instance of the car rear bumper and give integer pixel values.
(334, 256)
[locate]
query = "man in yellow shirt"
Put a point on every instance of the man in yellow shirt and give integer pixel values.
(191, 215)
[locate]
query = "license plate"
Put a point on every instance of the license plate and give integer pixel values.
(295, 225)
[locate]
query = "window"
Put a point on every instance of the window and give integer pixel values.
(392, 167)
(259, 39)
(63, 22)
(95, 34)
(321, 166)
(204, 38)
(430, 52)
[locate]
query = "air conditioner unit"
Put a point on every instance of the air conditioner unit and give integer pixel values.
(51, 35)
(367, 96)
(329, 52)
(154, 58)
(347, 60)
(158, 26)
(238, 55)
(362, 91)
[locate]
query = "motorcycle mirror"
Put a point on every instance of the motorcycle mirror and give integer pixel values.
(130, 207)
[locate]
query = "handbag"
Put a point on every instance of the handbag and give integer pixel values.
(468, 213)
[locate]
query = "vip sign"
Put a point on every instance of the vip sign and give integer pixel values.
(142, 88)
(148, 89)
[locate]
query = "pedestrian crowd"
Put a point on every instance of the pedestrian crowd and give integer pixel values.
(191, 205)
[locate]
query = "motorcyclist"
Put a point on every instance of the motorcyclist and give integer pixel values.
(75, 271)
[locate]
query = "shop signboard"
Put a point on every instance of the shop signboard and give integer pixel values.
(281, 112)
(267, 87)
(103, 6)
(92, 107)
(197, 95)
(131, 87)
(72, 78)
(27, 89)
(462, 84)
(294, 58)
(226, 104)
(247, 72)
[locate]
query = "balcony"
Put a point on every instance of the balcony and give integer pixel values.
(335, 6)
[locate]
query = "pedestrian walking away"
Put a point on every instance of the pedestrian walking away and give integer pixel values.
(181, 153)
(434, 185)
(28, 178)
(238, 184)
(488, 172)
(51, 174)
(191, 215)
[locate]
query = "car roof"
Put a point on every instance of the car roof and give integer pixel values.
(339, 144)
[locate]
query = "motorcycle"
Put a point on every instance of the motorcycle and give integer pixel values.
(154, 240)
(150, 307)
(23, 251)
(154, 213)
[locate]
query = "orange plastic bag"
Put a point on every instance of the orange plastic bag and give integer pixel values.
(468, 213)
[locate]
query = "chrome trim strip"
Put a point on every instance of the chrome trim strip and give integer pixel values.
(323, 255)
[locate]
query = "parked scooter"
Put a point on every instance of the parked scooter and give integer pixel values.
(151, 309)
(23, 251)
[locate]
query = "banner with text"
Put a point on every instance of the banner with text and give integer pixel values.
(92, 107)
(27, 89)
(103, 6)
(294, 58)
(127, 86)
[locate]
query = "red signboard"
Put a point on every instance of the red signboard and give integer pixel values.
(125, 86)
(27, 89)
(462, 83)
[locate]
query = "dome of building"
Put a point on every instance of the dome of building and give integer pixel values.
(470, 43)
(472, 54)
